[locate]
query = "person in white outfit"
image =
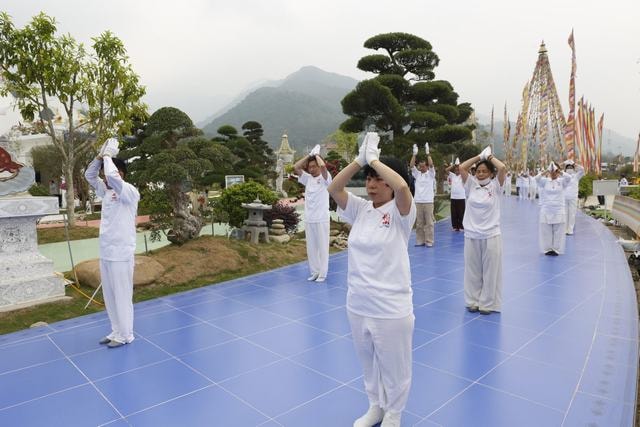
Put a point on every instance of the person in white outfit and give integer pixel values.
(507, 185)
(315, 179)
(482, 234)
(379, 297)
(533, 186)
(571, 194)
(425, 178)
(553, 183)
(524, 186)
(117, 240)
(457, 196)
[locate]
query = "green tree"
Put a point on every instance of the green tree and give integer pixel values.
(254, 157)
(167, 162)
(346, 144)
(404, 99)
(40, 69)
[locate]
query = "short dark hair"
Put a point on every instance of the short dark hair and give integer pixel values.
(120, 164)
(569, 166)
(488, 164)
(396, 165)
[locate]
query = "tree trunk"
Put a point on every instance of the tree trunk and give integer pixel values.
(70, 195)
(186, 226)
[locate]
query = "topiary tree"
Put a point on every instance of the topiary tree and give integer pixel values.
(229, 204)
(404, 99)
(168, 119)
(167, 162)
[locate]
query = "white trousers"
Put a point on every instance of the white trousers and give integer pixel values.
(524, 193)
(533, 189)
(552, 237)
(384, 349)
(571, 207)
(483, 273)
(317, 236)
(117, 289)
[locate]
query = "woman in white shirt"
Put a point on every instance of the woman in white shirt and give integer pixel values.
(552, 183)
(482, 236)
(379, 297)
(457, 196)
(571, 194)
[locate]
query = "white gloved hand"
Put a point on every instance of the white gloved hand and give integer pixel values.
(415, 149)
(362, 158)
(552, 167)
(372, 151)
(110, 148)
(457, 162)
(315, 151)
(426, 148)
(484, 154)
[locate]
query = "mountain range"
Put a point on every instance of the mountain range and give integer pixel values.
(305, 105)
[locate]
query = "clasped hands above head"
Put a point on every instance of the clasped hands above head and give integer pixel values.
(109, 148)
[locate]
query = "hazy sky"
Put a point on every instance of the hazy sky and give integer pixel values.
(197, 55)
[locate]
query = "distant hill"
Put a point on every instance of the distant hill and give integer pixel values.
(306, 104)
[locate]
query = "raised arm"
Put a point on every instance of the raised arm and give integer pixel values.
(298, 167)
(336, 188)
(91, 175)
(502, 169)
(401, 191)
(465, 166)
(323, 166)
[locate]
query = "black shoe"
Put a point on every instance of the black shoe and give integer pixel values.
(104, 341)
(472, 309)
(115, 344)
(483, 311)
(554, 253)
(419, 244)
(549, 253)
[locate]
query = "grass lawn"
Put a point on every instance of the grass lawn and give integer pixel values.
(204, 261)
(57, 234)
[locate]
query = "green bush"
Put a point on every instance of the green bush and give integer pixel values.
(231, 200)
(585, 186)
(38, 190)
(635, 193)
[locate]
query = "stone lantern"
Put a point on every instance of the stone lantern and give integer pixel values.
(255, 224)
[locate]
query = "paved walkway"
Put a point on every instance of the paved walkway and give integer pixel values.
(275, 350)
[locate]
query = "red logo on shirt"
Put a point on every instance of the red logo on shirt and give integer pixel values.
(386, 220)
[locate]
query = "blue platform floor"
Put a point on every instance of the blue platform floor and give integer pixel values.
(275, 350)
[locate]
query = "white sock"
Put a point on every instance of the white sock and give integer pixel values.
(391, 419)
(373, 416)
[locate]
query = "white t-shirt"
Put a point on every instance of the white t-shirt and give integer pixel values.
(482, 210)
(457, 189)
(119, 209)
(552, 209)
(571, 192)
(425, 183)
(379, 275)
(316, 197)
(525, 181)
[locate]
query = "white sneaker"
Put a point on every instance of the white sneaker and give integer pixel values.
(374, 415)
(313, 277)
(321, 279)
(391, 419)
